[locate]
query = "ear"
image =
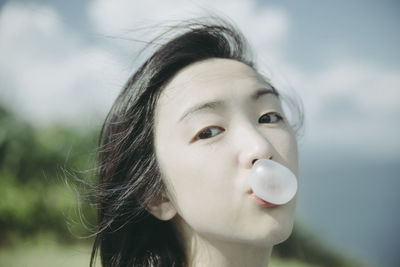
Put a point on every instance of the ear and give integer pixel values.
(163, 209)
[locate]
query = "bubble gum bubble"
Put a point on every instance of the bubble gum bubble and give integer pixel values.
(273, 182)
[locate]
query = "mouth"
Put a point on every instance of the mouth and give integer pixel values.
(260, 201)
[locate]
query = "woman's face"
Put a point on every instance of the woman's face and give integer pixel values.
(213, 119)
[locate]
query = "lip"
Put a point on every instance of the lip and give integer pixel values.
(260, 201)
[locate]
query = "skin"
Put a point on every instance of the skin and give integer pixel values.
(206, 155)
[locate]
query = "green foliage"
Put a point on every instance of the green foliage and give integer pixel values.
(35, 196)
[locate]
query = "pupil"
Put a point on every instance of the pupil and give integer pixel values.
(204, 134)
(265, 118)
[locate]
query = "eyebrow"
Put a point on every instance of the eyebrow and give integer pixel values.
(264, 91)
(215, 104)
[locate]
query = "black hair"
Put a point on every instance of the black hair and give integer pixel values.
(129, 176)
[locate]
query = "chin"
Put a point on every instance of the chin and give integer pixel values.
(284, 226)
(282, 234)
(271, 235)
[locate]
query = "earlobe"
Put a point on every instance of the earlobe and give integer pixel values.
(163, 210)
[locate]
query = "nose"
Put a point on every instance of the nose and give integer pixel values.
(253, 145)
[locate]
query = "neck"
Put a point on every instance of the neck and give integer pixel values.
(203, 251)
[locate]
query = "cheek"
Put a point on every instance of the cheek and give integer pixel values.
(199, 184)
(292, 155)
(286, 146)
(205, 188)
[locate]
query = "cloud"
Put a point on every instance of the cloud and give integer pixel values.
(48, 71)
(351, 104)
(265, 28)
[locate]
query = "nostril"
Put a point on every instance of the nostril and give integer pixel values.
(254, 160)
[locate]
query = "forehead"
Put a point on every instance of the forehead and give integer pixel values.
(208, 80)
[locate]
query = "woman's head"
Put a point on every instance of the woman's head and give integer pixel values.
(177, 148)
(213, 120)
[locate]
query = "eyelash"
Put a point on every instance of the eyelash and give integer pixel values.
(198, 136)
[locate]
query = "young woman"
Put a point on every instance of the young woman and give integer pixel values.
(177, 149)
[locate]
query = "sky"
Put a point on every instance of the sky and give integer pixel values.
(65, 62)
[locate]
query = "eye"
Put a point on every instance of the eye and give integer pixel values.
(271, 117)
(208, 132)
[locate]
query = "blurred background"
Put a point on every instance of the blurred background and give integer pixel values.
(62, 63)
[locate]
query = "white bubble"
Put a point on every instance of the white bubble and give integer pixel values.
(273, 182)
